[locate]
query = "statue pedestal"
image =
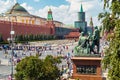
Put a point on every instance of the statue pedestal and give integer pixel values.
(87, 68)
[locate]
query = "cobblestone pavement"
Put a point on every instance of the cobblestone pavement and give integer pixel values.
(5, 67)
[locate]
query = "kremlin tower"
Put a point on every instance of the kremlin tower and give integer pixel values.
(91, 24)
(50, 22)
(81, 23)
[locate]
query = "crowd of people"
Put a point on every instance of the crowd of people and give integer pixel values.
(22, 50)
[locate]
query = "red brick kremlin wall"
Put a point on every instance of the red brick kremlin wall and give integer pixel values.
(20, 28)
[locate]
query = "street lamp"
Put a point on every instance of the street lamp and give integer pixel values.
(11, 41)
(11, 57)
(12, 45)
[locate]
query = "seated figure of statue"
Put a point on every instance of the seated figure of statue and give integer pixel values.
(83, 45)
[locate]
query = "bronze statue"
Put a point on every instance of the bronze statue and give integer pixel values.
(88, 44)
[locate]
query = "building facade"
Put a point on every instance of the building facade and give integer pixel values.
(24, 23)
(20, 15)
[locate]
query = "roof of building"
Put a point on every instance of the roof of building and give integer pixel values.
(73, 35)
(17, 9)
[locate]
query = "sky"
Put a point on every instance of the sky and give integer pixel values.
(63, 10)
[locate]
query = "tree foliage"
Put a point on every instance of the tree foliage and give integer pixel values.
(1, 39)
(109, 16)
(113, 5)
(111, 60)
(32, 37)
(107, 21)
(33, 68)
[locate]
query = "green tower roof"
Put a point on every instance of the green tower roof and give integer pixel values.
(81, 8)
(49, 17)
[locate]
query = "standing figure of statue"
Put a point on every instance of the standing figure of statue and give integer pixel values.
(91, 43)
(96, 39)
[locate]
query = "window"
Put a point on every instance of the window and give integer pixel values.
(27, 21)
(22, 20)
(33, 21)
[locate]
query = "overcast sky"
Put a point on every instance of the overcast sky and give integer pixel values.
(63, 10)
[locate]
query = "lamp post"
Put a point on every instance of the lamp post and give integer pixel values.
(12, 45)
(11, 41)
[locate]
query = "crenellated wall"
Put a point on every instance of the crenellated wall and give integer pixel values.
(21, 28)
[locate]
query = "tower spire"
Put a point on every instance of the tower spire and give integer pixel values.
(50, 22)
(81, 7)
(91, 23)
(49, 16)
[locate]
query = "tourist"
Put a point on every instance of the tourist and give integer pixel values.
(0, 62)
(9, 61)
(9, 77)
(18, 60)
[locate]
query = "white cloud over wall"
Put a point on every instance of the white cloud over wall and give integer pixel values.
(27, 7)
(4, 5)
(64, 13)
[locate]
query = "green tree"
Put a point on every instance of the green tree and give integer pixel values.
(111, 60)
(108, 22)
(16, 38)
(113, 5)
(110, 15)
(1, 39)
(21, 37)
(33, 68)
(29, 69)
(31, 37)
(51, 71)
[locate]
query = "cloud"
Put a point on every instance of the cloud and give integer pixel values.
(15, 1)
(36, 0)
(68, 13)
(27, 7)
(5, 5)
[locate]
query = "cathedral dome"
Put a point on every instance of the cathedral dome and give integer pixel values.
(17, 9)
